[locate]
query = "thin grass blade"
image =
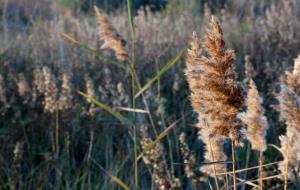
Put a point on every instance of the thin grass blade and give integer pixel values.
(132, 110)
(274, 146)
(117, 115)
(130, 14)
(114, 178)
(160, 136)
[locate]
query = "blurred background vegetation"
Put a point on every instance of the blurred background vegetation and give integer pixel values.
(268, 32)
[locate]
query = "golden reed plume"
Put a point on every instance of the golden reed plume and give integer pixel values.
(212, 80)
(289, 106)
(255, 119)
(112, 40)
(293, 79)
(189, 160)
(51, 91)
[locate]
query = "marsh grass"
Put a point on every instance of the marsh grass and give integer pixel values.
(79, 108)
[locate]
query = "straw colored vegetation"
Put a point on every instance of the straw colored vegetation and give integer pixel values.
(148, 99)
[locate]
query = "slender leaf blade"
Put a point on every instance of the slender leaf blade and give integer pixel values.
(160, 136)
(136, 110)
(130, 14)
(114, 178)
(117, 115)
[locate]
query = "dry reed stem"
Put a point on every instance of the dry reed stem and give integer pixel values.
(261, 170)
(214, 166)
(233, 164)
(250, 168)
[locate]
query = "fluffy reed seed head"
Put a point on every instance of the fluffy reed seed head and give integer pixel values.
(23, 87)
(51, 92)
(38, 83)
(189, 160)
(90, 91)
(293, 78)
(215, 93)
(289, 106)
(214, 151)
(289, 97)
(18, 151)
(290, 151)
(66, 96)
(112, 40)
(249, 69)
(156, 160)
(255, 119)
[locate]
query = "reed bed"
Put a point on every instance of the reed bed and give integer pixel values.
(139, 99)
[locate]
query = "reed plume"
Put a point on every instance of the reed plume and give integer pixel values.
(215, 95)
(23, 87)
(255, 119)
(289, 106)
(213, 152)
(66, 96)
(90, 91)
(293, 79)
(17, 161)
(290, 150)
(51, 92)
(111, 38)
(156, 160)
(38, 83)
(250, 72)
(189, 160)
